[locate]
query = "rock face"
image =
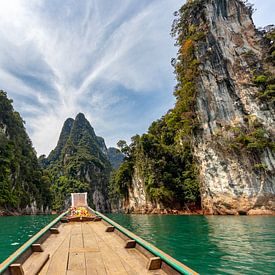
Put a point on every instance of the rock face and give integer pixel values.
(233, 146)
(63, 138)
(81, 155)
(138, 200)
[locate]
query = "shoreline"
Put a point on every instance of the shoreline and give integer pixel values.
(10, 213)
(197, 212)
(174, 212)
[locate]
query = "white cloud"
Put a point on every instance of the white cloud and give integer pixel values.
(54, 53)
(109, 59)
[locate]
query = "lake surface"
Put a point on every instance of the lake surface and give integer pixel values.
(210, 244)
(15, 231)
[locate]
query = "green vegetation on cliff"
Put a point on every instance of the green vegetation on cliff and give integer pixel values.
(21, 180)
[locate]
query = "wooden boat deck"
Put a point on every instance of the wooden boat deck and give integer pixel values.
(85, 248)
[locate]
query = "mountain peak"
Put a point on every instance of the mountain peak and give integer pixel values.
(69, 121)
(67, 126)
(80, 116)
(63, 138)
(80, 134)
(81, 155)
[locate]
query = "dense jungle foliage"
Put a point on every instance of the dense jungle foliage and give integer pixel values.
(21, 180)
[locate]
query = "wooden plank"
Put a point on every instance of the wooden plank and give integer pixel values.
(76, 272)
(171, 260)
(38, 265)
(38, 261)
(111, 260)
(89, 239)
(84, 249)
(49, 245)
(58, 263)
(76, 261)
(76, 228)
(76, 236)
(94, 264)
(76, 241)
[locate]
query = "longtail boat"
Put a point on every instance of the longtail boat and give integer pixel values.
(90, 244)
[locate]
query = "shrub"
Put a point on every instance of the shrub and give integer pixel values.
(260, 79)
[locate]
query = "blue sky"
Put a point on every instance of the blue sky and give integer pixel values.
(109, 59)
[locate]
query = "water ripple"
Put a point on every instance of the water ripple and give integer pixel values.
(14, 231)
(210, 244)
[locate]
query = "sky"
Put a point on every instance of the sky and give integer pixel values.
(109, 59)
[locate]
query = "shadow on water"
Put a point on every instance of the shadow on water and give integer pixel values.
(210, 244)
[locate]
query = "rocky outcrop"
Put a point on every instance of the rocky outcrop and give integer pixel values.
(138, 200)
(234, 145)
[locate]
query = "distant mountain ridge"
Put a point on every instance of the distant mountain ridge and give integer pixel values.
(115, 157)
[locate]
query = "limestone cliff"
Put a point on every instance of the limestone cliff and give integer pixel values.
(138, 200)
(215, 148)
(234, 104)
(80, 163)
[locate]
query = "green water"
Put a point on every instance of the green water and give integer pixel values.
(210, 244)
(14, 231)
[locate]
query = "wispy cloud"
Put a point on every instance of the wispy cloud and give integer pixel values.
(109, 59)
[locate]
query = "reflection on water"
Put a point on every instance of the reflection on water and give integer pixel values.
(210, 244)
